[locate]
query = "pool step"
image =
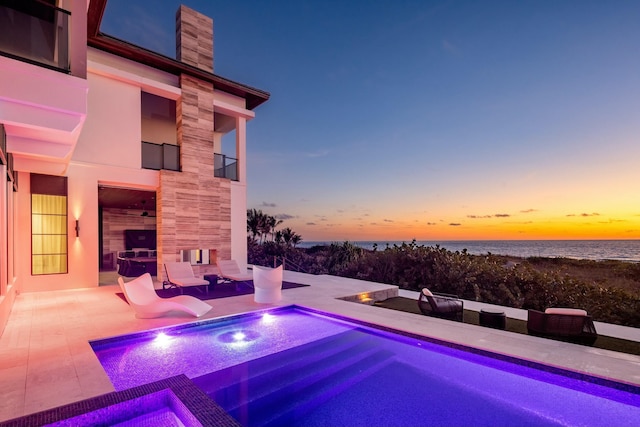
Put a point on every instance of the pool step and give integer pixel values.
(216, 383)
(252, 392)
(294, 401)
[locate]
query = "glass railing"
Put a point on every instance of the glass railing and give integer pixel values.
(225, 167)
(35, 32)
(160, 156)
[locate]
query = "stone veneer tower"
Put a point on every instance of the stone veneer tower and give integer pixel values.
(194, 207)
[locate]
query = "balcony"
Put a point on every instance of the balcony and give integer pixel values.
(160, 156)
(225, 167)
(35, 32)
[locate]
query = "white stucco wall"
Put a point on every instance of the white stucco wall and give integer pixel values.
(112, 130)
(239, 223)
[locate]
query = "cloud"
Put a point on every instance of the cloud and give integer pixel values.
(311, 223)
(284, 216)
(319, 153)
(268, 205)
(455, 224)
(432, 223)
(585, 214)
(449, 47)
(529, 210)
(387, 220)
(502, 215)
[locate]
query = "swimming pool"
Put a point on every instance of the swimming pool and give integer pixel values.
(293, 366)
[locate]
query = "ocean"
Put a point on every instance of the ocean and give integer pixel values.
(621, 250)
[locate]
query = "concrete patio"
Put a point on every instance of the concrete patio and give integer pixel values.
(46, 360)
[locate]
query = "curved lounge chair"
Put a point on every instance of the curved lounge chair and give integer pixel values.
(440, 305)
(144, 300)
(229, 270)
(267, 283)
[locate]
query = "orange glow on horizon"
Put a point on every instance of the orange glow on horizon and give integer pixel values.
(559, 228)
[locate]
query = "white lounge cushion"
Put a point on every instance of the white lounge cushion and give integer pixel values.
(567, 311)
(190, 281)
(181, 274)
(229, 269)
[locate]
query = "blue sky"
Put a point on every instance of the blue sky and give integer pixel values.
(432, 120)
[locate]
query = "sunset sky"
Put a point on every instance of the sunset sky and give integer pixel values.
(433, 120)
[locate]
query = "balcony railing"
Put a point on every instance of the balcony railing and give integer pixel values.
(35, 32)
(160, 156)
(225, 167)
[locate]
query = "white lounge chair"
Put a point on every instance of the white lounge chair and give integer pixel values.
(229, 270)
(144, 300)
(180, 275)
(267, 283)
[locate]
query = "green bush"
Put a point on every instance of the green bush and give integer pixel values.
(483, 278)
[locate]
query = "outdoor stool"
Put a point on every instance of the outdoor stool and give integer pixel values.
(493, 319)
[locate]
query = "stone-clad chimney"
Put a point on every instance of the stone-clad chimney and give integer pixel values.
(194, 38)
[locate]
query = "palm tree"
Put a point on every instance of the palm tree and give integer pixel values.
(296, 239)
(290, 237)
(255, 221)
(270, 225)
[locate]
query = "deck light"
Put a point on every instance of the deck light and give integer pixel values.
(77, 228)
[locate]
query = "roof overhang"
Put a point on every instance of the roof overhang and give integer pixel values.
(254, 97)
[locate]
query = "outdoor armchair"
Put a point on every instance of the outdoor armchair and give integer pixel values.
(569, 324)
(440, 305)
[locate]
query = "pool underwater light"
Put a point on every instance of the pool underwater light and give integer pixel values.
(162, 340)
(268, 318)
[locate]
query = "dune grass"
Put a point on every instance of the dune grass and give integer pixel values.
(512, 325)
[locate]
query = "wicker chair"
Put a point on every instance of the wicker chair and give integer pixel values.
(566, 324)
(440, 305)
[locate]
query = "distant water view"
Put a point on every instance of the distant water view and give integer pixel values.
(621, 250)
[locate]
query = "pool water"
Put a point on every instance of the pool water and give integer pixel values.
(295, 367)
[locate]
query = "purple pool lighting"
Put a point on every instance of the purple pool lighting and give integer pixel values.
(161, 408)
(292, 366)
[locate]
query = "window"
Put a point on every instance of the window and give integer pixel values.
(48, 224)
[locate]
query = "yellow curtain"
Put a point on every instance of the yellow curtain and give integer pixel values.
(48, 234)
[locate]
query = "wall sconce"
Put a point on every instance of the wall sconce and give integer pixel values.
(77, 228)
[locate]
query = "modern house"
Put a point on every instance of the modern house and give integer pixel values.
(103, 141)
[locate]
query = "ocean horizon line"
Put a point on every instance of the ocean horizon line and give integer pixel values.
(470, 240)
(591, 249)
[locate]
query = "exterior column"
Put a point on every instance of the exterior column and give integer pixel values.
(241, 148)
